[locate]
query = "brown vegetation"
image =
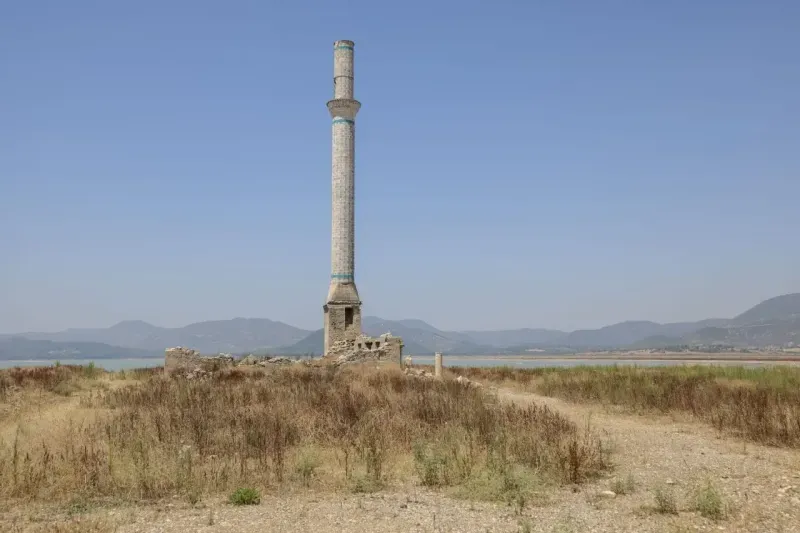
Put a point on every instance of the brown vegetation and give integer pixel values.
(760, 404)
(60, 379)
(352, 428)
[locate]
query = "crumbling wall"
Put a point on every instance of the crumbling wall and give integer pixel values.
(181, 359)
(384, 348)
(342, 322)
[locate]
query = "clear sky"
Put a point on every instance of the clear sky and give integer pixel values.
(519, 164)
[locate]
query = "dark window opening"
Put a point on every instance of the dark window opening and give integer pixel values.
(369, 345)
(348, 316)
(377, 345)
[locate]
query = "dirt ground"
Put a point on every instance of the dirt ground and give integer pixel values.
(760, 488)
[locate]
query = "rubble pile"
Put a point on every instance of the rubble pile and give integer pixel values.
(253, 360)
(467, 382)
(418, 372)
(424, 374)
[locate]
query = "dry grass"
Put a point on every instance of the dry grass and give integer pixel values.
(355, 429)
(60, 379)
(760, 404)
(73, 525)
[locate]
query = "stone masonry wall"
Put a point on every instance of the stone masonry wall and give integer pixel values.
(336, 329)
(386, 348)
(181, 359)
(343, 109)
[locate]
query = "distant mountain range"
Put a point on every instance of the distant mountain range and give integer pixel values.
(22, 349)
(773, 322)
(231, 336)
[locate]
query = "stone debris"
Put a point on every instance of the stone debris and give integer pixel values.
(418, 372)
(468, 382)
(424, 374)
(253, 360)
(277, 361)
(181, 351)
(248, 360)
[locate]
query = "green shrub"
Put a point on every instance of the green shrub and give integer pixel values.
(665, 501)
(515, 486)
(90, 371)
(624, 486)
(708, 502)
(365, 484)
(245, 496)
(306, 464)
(443, 463)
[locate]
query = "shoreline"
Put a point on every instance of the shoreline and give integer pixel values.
(70, 361)
(599, 356)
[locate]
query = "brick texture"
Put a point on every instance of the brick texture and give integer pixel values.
(342, 293)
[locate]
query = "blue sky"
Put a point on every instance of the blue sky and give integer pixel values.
(519, 164)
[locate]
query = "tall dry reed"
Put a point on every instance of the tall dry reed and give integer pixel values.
(760, 404)
(165, 436)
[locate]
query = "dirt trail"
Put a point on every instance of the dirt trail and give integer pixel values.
(760, 485)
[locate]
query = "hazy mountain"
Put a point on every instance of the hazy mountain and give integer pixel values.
(314, 343)
(424, 336)
(773, 322)
(679, 329)
(615, 335)
(18, 348)
(236, 335)
(516, 337)
(128, 333)
(781, 307)
(774, 332)
(656, 341)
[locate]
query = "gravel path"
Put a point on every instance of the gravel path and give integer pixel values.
(760, 486)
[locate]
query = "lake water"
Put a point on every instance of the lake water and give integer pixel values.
(108, 364)
(127, 364)
(483, 362)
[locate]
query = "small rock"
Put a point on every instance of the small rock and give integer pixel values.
(403, 506)
(608, 494)
(670, 482)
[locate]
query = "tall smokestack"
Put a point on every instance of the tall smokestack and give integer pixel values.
(343, 307)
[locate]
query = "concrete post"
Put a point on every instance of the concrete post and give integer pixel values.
(437, 365)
